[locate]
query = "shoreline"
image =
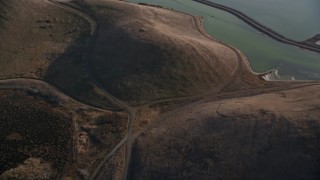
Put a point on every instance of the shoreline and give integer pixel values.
(261, 28)
(198, 23)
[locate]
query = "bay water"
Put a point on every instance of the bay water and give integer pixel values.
(263, 52)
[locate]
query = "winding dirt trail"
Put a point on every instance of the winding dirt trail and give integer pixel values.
(215, 95)
(239, 64)
(130, 138)
(38, 86)
(127, 140)
(89, 19)
(42, 87)
(131, 111)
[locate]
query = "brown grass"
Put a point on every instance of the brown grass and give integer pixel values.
(34, 33)
(63, 140)
(145, 53)
(269, 136)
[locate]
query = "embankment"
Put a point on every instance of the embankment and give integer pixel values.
(271, 33)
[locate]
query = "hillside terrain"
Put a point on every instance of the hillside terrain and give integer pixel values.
(142, 54)
(105, 89)
(41, 40)
(47, 135)
(32, 38)
(37, 131)
(269, 136)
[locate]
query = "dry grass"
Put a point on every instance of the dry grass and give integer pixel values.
(144, 53)
(114, 168)
(60, 140)
(33, 34)
(97, 137)
(269, 136)
(42, 40)
(140, 54)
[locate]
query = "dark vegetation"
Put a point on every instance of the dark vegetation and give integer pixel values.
(103, 133)
(145, 4)
(30, 127)
(110, 129)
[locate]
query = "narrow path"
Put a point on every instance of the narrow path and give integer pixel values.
(108, 156)
(44, 87)
(216, 96)
(89, 19)
(32, 84)
(282, 86)
(253, 23)
(132, 137)
(285, 85)
(129, 110)
(170, 100)
(129, 139)
(239, 62)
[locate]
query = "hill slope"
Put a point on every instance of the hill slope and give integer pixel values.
(183, 104)
(268, 136)
(143, 53)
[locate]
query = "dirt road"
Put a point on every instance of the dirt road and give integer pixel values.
(39, 86)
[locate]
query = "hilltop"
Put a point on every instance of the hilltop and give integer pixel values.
(141, 54)
(133, 91)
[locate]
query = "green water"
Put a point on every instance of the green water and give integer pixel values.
(263, 52)
(297, 19)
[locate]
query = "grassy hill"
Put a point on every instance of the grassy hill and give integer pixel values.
(139, 58)
(33, 35)
(231, 123)
(268, 136)
(42, 40)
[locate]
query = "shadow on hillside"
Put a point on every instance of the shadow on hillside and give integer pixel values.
(248, 147)
(128, 68)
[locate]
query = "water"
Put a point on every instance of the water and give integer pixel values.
(297, 19)
(263, 52)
